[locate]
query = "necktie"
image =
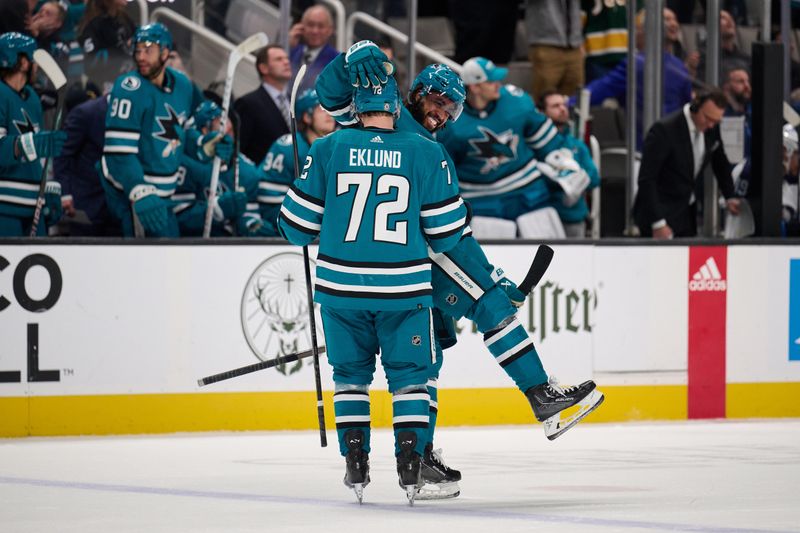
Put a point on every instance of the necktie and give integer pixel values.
(284, 107)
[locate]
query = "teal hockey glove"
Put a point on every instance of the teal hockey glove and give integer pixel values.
(367, 64)
(32, 146)
(52, 203)
(149, 208)
(511, 290)
(215, 144)
(230, 205)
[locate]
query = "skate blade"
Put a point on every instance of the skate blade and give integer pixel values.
(554, 426)
(438, 491)
(358, 488)
(411, 493)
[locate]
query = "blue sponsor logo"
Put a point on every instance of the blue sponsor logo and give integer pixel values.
(794, 310)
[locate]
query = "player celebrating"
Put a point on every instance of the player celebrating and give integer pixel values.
(23, 143)
(278, 165)
(373, 273)
(145, 139)
(487, 298)
(496, 147)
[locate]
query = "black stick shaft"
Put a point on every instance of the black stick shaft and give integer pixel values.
(255, 367)
(323, 438)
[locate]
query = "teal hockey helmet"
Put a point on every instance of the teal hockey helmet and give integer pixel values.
(441, 79)
(205, 114)
(306, 102)
(155, 33)
(11, 45)
(385, 98)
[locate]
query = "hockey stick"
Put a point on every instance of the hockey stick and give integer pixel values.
(269, 363)
(539, 266)
(323, 439)
(53, 72)
(249, 45)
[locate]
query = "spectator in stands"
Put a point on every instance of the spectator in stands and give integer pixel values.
(736, 86)
(264, 113)
(676, 151)
(677, 89)
(730, 57)
(496, 146)
(105, 34)
(308, 44)
(573, 216)
(75, 169)
(605, 32)
(484, 29)
(556, 40)
(46, 23)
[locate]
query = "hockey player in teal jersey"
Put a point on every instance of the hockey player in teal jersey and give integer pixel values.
(464, 282)
(145, 138)
(23, 142)
(498, 147)
(278, 165)
(236, 211)
(377, 198)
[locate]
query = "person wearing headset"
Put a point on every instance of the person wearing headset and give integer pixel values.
(676, 151)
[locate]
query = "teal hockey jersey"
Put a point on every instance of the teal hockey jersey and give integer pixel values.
(20, 113)
(377, 198)
(144, 137)
(277, 174)
(496, 150)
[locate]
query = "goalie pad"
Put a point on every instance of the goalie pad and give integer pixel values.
(493, 228)
(542, 223)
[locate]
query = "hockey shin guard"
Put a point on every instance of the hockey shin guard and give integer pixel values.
(410, 409)
(514, 351)
(433, 411)
(351, 407)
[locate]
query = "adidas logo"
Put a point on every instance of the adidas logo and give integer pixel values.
(708, 278)
(376, 139)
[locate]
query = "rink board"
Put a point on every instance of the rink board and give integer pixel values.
(106, 339)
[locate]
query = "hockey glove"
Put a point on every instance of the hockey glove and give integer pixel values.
(230, 205)
(367, 64)
(511, 290)
(215, 144)
(256, 227)
(52, 203)
(32, 146)
(149, 208)
(561, 167)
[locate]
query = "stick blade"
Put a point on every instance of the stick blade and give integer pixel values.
(50, 68)
(539, 266)
(253, 43)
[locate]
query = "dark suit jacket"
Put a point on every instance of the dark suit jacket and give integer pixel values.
(324, 57)
(261, 122)
(667, 175)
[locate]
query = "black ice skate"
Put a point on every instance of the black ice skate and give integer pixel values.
(409, 466)
(549, 401)
(356, 475)
(440, 481)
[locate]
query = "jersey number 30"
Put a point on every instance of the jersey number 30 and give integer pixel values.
(362, 181)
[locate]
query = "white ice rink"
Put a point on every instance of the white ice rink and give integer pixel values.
(690, 476)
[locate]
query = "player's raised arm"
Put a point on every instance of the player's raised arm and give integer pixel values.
(444, 215)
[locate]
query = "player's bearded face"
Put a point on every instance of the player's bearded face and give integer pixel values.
(150, 60)
(432, 111)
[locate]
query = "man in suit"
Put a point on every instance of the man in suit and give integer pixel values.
(308, 44)
(264, 113)
(676, 150)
